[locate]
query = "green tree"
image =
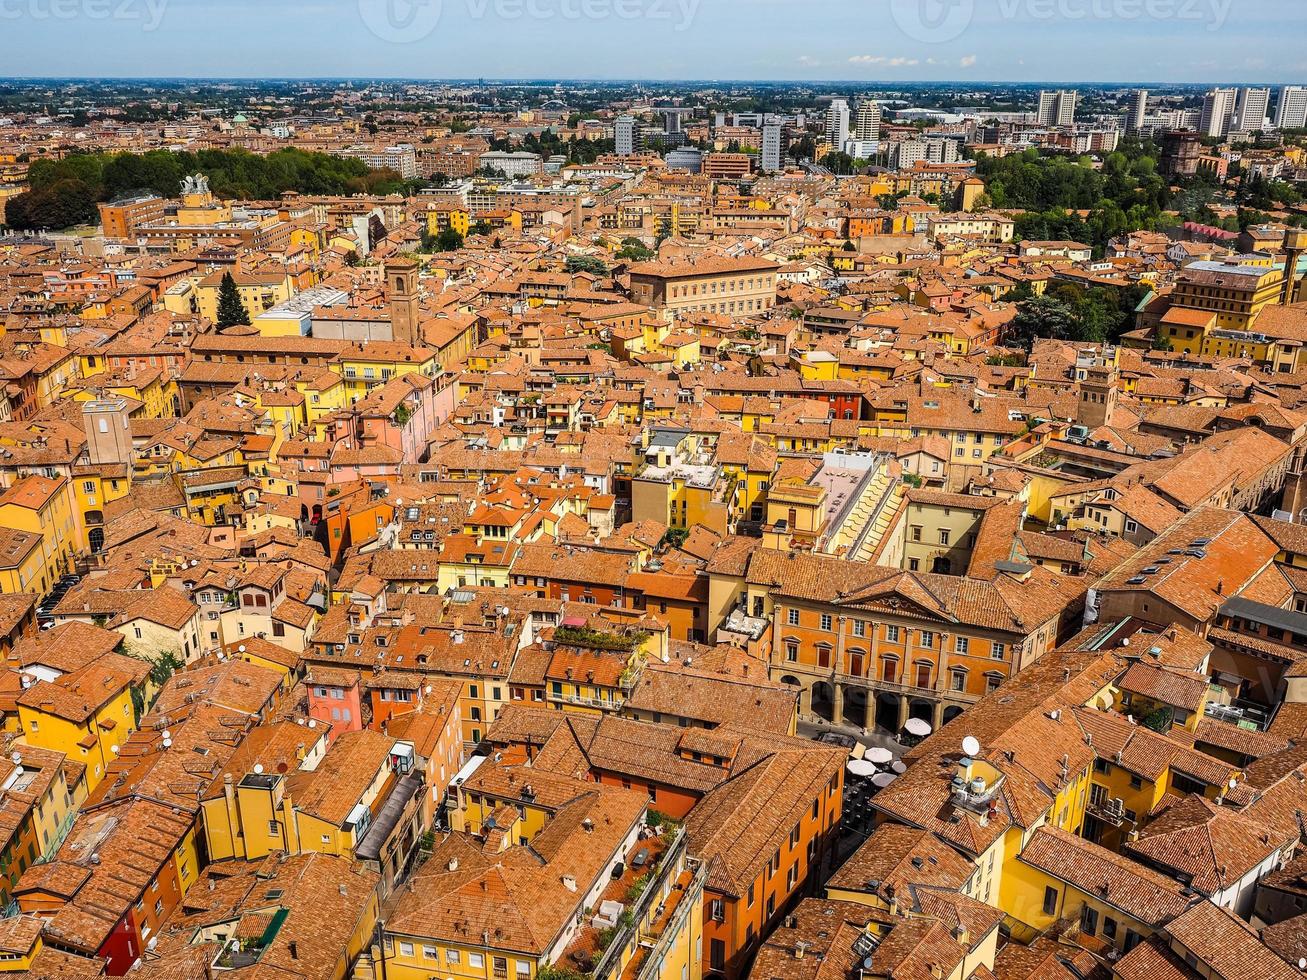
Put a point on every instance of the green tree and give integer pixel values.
(586, 263)
(448, 240)
(62, 204)
(1043, 317)
(635, 250)
(231, 311)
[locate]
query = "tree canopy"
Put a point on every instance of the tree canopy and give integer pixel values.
(64, 192)
(1126, 194)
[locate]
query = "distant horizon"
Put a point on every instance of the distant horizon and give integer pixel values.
(688, 82)
(1182, 42)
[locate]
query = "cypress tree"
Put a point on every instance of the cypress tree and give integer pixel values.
(231, 311)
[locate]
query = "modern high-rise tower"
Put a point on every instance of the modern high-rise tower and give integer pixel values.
(624, 135)
(867, 126)
(1138, 112)
(837, 123)
(1291, 112)
(1253, 108)
(1058, 108)
(771, 146)
(1218, 112)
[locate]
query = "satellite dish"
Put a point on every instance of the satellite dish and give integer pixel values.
(167, 743)
(313, 723)
(241, 648)
(970, 746)
(1302, 963)
(114, 749)
(258, 769)
(17, 759)
(429, 688)
(167, 734)
(194, 562)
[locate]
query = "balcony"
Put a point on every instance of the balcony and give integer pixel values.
(657, 895)
(587, 702)
(1106, 812)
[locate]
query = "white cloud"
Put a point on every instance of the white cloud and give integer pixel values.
(808, 61)
(880, 59)
(968, 61)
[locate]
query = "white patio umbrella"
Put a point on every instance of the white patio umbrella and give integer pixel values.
(899, 768)
(861, 767)
(918, 727)
(883, 780)
(879, 756)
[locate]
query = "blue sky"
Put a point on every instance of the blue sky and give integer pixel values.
(1200, 41)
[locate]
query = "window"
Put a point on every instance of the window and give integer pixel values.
(793, 617)
(944, 532)
(997, 651)
(826, 622)
(430, 953)
(717, 954)
(476, 960)
(523, 968)
(1109, 927)
(859, 627)
(1050, 900)
(928, 639)
(274, 828)
(452, 956)
(792, 876)
(959, 680)
(751, 895)
(1089, 921)
(961, 644)
(791, 652)
(892, 634)
(405, 949)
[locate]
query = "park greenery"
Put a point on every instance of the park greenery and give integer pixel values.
(1070, 312)
(1069, 199)
(64, 192)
